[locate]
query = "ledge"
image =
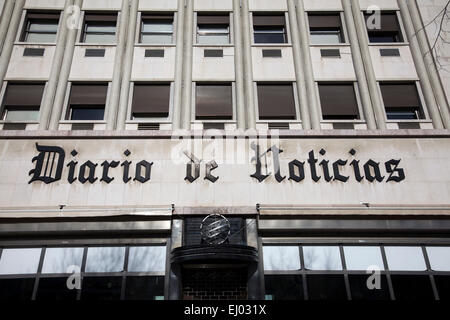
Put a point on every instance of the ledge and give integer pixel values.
(198, 134)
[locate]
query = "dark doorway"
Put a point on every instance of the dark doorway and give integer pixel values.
(214, 282)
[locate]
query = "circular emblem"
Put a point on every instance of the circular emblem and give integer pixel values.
(215, 229)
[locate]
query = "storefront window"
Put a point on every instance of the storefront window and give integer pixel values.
(405, 259)
(147, 259)
(106, 259)
(281, 258)
(58, 260)
(439, 258)
(19, 261)
(361, 258)
(322, 258)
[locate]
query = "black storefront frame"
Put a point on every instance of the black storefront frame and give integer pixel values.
(380, 243)
(123, 274)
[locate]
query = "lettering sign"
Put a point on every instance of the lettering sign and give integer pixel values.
(50, 162)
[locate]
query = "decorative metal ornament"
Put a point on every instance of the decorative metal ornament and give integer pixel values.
(215, 229)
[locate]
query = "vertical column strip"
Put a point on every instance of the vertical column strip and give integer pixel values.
(239, 65)
(127, 66)
(52, 84)
(307, 63)
(176, 117)
(187, 66)
(361, 31)
(359, 66)
(299, 72)
(64, 72)
(430, 64)
(5, 18)
(420, 66)
(111, 109)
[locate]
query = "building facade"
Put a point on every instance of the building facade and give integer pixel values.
(224, 149)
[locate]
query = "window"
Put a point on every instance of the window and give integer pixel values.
(389, 30)
(214, 102)
(213, 29)
(325, 29)
(269, 29)
(99, 28)
(281, 258)
(276, 102)
(41, 27)
(322, 258)
(150, 101)
(401, 101)
(338, 101)
(157, 29)
(22, 102)
(87, 101)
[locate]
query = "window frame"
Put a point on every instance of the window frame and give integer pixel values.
(141, 33)
(3, 107)
(343, 35)
(287, 32)
(83, 31)
(401, 30)
(194, 103)
(66, 114)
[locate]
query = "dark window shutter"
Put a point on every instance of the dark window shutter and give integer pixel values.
(213, 19)
(268, 20)
(276, 101)
(400, 95)
(24, 95)
(88, 94)
(338, 100)
(44, 16)
(164, 17)
(151, 100)
(324, 21)
(214, 102)
(100, 17)
(389, 22)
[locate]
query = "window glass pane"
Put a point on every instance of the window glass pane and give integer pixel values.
(156, 39)
(213, 39)
(16, 289)
(19, 261)
(284, 287)
(157, 27)
(325, 38)
(412, 287)
(322, 258)
(281, 258)
(40, 37)
(361, 258)
(22, 115)
(101, 28)
(442, 285)
(87, 113)
(269, 38)
(402, 113)
(107, 259)
(58, 260)
(439, 258)
(144, 288)
(147, 259)
(101, 288)
(44, 26)
(360, 290)
(55, 289)
(209, 29)
(100, 38)
(326, 287)
(405, 258)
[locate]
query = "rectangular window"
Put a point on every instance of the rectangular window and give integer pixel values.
(87, 101)
(99, 28)
(276, 102)
(281, 258)
(322, 258)
(157, 29)
(19, 261)
(150, 101)
(405, 259)
(401, 101)
(22, 102)
(338, 101)
(213, 29)
(388, 30)
(105, 259)
(325, 29)
(214, 102)
(40, 27)
(269, 28)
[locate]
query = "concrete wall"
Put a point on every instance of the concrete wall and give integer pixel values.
(430, 9)
(425, 163)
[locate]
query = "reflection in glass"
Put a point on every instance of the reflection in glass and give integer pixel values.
(439, 258)
(284, 287)
(281, 258)
(57, 260)
(361, 258)
(405, 258)
(105, 259)
(19, 261)
(325, 37)
(322, 258)
(144, 288)
(21, 115)
(55, 289)
(147, 259)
